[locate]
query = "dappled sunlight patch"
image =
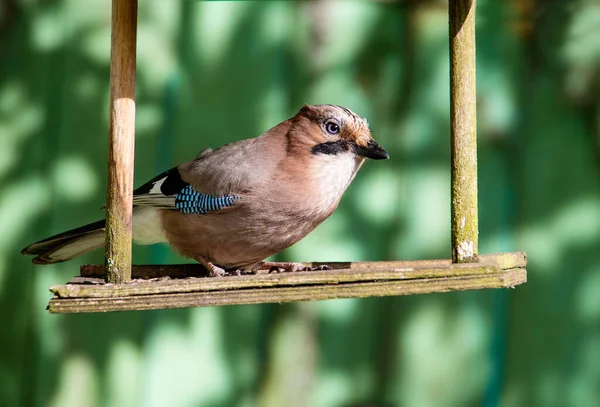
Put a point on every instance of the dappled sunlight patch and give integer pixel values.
(96, 45)
(53, 341)
(273, 107)
(184, 363)
(123, 374)
(157, 54)
(27, 197)
(418, 132)
(337, 311)
(163, 16)
(217, 25)
(47, 36)
(334, 388)
(542, 247)
(496, 109)
(428, 226)
(577, 224)
(582, 42)
(292, 361)
(156, 59)
(339, 246)
(78, 383)
(276, 18)
(20, 119)
(148, 118)
(438, 102)
(345, 27)
(502, 241)
(74, 179)
(378, 195)
(438, 343)
(583, 384)
(341, 84)
(588, 296)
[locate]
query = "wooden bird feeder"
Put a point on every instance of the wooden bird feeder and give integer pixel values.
(111, 287)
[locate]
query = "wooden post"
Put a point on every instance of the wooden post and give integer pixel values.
(463, 124)
(119, 194)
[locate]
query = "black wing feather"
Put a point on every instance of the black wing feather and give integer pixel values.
(171, 185)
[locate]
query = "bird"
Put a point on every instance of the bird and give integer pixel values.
(232, 207)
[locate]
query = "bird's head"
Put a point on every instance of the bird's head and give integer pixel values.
(332, 130)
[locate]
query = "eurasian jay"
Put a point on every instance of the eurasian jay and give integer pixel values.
(233, 207)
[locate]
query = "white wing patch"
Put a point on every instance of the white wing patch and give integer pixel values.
(156, 186)
(155, 197)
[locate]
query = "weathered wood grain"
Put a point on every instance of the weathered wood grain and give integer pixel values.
(502, 260)
(354, 280)
(504, 279)
(119, 191)
(463, 130)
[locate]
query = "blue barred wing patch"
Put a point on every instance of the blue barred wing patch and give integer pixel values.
(190, 201)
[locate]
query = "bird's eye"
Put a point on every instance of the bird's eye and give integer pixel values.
(332, 127)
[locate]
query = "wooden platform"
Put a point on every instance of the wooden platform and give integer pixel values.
(180, 286)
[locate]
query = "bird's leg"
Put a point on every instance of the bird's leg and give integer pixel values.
(289, 267)
(213, 271)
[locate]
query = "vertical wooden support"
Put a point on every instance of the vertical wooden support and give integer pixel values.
(463, 125)
(119, 194)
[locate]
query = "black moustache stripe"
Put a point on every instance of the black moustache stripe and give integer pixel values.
(331, 147)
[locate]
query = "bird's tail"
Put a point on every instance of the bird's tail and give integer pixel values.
(69, 244)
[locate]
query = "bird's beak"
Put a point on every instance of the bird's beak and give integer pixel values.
(372, 150)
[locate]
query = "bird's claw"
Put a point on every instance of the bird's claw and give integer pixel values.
(216, 272)
(291, 267)
(213, 271)
(236, 272)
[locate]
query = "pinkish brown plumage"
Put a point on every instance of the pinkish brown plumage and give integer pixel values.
(232, 207)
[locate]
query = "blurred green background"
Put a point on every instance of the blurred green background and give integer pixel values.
(214, 72)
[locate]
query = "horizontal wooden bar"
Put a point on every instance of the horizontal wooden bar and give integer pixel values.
(356, 280)
(502, 260)
(506, 279)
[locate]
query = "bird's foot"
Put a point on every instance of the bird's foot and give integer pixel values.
(213, 271)
(289, 267)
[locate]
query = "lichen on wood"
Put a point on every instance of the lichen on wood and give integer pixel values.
(346, 280)
(121, 138)
(463, 125)
(505, 279)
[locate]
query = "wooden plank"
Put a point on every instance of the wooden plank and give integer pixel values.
(192, 284)
(506, 278)
(463, 130)
(354, 280)
(354, 272)
(502, 260)
(119, 193)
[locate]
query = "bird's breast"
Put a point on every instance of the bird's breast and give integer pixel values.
(330, 177)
